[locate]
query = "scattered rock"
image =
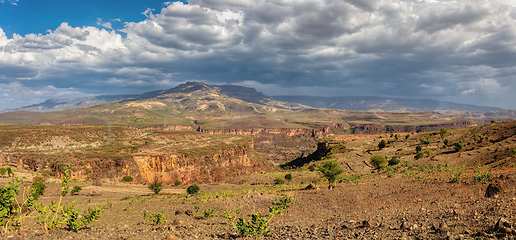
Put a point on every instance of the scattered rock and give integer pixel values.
(493, 189)
(503, 226)
(311, 187)
(94, 194)
(178, 212)
(365, 224)
(443, 227)
(404, 225)
(189, 212)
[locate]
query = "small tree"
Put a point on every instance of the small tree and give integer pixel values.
(378, 161)
(156, 186)
(177, 183)
(382, 144)
(394, 160)
(458, 146)
(331, 170)
(193, 189)
(288, 176)
(418, 149)
(446, 142)
(443, 132)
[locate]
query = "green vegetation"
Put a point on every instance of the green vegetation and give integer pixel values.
(378, 161)
(177, 183)
(394, 161)
(382, 144)
(209, 213)
(193, 189)
(76, 190)
(311, 168)
(418, 149)
(154, 218)
(279, 181)
(331, 170)
(259, 226)
(423, 140)
(38, 188)
(156, 186)
(127, 179)
(419, 155)
(288, 177)
(458, 146)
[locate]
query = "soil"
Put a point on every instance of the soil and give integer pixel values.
(378, 207)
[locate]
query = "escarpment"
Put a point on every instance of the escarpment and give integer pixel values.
(195, 165)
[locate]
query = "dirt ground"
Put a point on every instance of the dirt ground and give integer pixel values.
(378, 207)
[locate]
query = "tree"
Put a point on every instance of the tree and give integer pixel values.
(378, 161)
(382, 144)
(443, 132)
(418, 149)
(193, 189)
(458, 146)
(156, 186)
(288, 176)
(331, 170)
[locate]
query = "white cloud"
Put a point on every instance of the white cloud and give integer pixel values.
(432, 49)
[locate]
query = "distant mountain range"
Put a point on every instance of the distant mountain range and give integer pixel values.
(381, 104)
(197, 105)
(351, 103)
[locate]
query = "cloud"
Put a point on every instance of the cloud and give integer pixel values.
(13, 2)
(448, 50)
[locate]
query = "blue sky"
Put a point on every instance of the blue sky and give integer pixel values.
(37, 16)
(461, 51)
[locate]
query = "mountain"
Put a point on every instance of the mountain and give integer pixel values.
(381, 104)
(61, 104)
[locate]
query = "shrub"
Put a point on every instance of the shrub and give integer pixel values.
(311, 168)
(177, 183)
(331, 170)
(76, 190)
(154, 218)
(378, 161)
(423, 140)
(193, 189)
(3, 171)
(419, 155)
(443, 132)
(382, 144)
(288, 176)
(156, 186)
(38, 188)
(458, 146)
(483, 177)
(209, 213)
(279, 181)
(446, 142)
(418, 149)
(394, 161)
(127, 179)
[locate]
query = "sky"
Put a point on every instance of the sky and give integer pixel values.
(462, 51)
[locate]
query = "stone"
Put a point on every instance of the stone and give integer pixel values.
(404, 225)
(493, 190)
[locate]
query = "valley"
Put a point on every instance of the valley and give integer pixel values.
(438, 175)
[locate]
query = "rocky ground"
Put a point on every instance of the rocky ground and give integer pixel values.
(403, 206)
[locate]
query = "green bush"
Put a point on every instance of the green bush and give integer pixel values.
(288, 176)
(458, 146)
(382, 144)
(127, 179)
(209, 213)
(419, 155)
(394, 161)
(423, 140)
(446, 142)
(279, 181)
(418, 149)
(378, 161)
(76, 190)
(156, 186)
(193, 189)
(38, 188)
(311, 168)
(331, 170)
(3, 171)
(177, 183)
